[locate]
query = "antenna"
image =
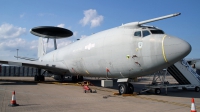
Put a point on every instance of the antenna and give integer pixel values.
(136, 24)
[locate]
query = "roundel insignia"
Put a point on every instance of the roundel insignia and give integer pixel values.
(140, 44)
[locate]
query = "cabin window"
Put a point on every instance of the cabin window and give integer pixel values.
(157, 32)
(137, 33)
(145, 33)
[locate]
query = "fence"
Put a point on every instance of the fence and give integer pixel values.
(14, 71)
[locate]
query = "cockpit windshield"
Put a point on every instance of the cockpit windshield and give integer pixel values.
(157, 32)
(146, 32)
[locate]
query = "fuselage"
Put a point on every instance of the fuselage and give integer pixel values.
(120, 52)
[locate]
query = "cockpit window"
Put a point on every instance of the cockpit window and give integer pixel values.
(137, 33)
(157, 32)
(145, 33)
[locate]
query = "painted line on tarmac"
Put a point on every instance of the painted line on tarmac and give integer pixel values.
(168, 102)
(75, 84)
(151, 99)
(58, 83)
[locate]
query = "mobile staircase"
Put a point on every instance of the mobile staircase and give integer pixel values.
(182, 72)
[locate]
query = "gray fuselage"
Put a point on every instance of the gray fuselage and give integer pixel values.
(120, 52)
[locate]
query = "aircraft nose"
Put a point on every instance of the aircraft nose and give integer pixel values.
(174, 48)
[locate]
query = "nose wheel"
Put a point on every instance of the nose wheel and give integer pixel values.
(157, 91)
(125, 88)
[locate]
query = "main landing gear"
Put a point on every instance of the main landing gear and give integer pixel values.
(125, 87)
(77, 78)
(39, 76)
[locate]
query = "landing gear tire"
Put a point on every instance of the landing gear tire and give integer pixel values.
(77, 78)
(122, 87)
(130, 88)
(74, 79)
(62, 78)
(36, 78)
(157, 91)
(197, 89)
(125, 88)
(80, 78)
(39, 78)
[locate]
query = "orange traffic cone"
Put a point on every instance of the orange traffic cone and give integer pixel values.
(13, 101)
(193, 106)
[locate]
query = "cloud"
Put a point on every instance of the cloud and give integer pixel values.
(22, 15)
(96, 21)
(75, 33)
(63, 42)
(26, 48)
(50, 46)
(17, 43)
(83, 36)
(10, 31)
(92, 18)
(61, 25)
(10, 41)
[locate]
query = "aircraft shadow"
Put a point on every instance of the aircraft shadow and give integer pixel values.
(28, 104)
(14, 82)
(138, 87)
(177, 93)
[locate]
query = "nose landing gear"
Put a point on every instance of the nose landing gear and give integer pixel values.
(125, 87)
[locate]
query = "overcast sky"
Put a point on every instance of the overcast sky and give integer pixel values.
(84, 17)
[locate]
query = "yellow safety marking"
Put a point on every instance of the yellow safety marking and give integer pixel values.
(127, 56)
(115, 93)
(87, 72)
(137, 49)
(134, 94)
(163, 101)
(163, 50)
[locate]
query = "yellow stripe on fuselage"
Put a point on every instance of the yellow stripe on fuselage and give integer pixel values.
(163, 50)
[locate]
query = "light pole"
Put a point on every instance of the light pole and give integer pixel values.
(17, 54)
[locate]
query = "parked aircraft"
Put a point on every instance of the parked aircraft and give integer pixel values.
(124, 52)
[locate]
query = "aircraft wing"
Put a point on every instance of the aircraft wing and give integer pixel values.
(51, 66)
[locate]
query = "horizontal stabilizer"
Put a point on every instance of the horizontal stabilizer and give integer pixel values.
(26, 58)
(49, 66)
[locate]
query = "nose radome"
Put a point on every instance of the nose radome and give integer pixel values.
(174, 49)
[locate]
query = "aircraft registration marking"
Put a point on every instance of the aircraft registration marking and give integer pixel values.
(163, 50)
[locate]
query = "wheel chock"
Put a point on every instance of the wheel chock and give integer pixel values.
(115, 93)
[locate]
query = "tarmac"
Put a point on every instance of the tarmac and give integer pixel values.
(54, 96)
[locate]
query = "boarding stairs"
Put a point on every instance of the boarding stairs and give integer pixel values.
(184, 73)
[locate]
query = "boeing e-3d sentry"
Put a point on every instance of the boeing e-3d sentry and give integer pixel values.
(127, 51)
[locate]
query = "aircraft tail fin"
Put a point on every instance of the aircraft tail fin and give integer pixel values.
(41, 48)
